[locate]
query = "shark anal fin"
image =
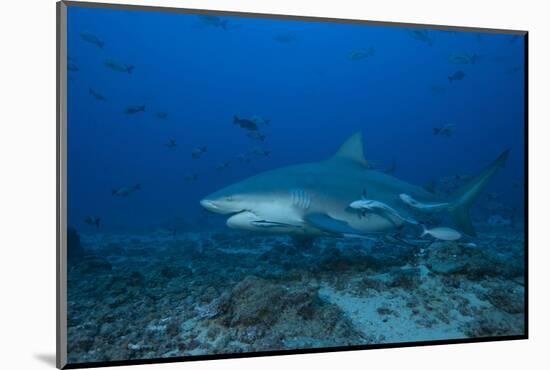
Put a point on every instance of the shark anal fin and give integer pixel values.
(332, 225)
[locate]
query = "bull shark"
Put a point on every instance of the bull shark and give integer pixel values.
(312, 199)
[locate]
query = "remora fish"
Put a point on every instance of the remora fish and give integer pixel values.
(313, 198)
(368, 205)
(428, 206)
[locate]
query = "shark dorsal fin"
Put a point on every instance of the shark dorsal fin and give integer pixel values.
(352, 149)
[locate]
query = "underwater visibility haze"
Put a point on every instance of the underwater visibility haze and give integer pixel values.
(240, 184)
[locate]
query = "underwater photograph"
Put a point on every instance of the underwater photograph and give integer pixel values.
(241, 184)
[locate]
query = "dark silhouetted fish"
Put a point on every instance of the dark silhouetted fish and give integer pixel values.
(462, 58)
(119, 67)
(222, 166)
(421, 35)
(447, 130)
(134, 109)
(92, 39)
(243, 158)
(92, 220)
(457, 76)
(261, 152)
(245, 123)
(285, 37)
(198, 152)
(161, 115)
(171, 144)
(513, 70)
(191, 177)
(259, 120)
(125, 191)
(256, 135)
(212, 20)
(95, 94)
(72, 67)
(360, 54)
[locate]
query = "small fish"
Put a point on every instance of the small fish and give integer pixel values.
(92, 220)
(447, 130)
(171, 144)
(191, 177)
(462, 58)
(95, 94)
(441, 233)
(245, 123)
(513, 70)
(457, 76)
(256, 135)
(421, 35)
(132, 109)
(161, 115)
(92, 39)
(72, 67)
(212, 20)
(198, 152)
(360, 54)
(285, 37)
(125, 191)
(261, 152)
(243, 158)
(118, 67)
(259, 120)
(222, 166)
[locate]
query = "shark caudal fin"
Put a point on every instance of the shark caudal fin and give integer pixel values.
(465, 196)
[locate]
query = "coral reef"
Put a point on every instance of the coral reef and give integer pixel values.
(157, 294)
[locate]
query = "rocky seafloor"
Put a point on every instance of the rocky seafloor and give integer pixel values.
(138, 296)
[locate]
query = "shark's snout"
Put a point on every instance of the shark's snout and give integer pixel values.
(210, 205)
(220, 205)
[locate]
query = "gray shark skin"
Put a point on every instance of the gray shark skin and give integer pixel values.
(313, 199)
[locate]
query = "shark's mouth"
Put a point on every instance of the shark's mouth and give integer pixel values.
(270, 224)
(249, 220)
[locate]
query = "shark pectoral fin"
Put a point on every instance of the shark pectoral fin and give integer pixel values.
(326, 223)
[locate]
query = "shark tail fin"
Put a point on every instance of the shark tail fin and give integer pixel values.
(465, 196)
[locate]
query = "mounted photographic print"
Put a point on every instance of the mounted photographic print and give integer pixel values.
(234, 184)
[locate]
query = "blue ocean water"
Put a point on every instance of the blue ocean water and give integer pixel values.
(313, 93)
(153, 274)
